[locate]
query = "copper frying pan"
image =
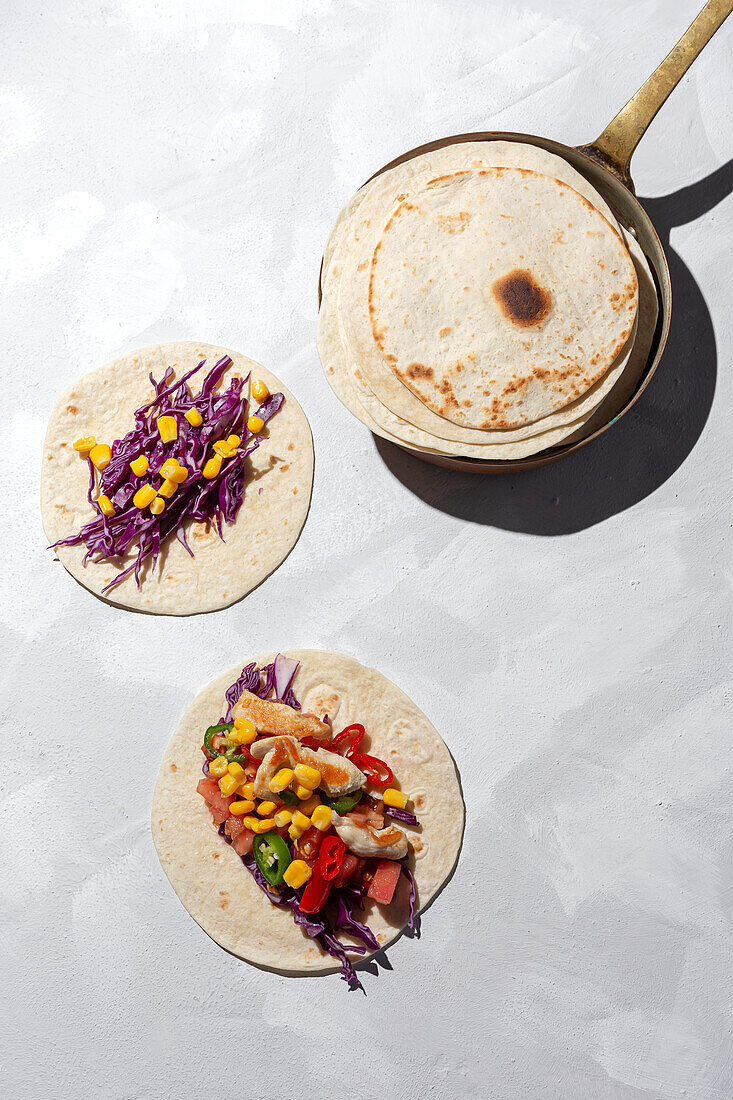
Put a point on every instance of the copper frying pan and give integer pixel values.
(605, 163)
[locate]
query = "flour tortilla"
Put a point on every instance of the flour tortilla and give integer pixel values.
(208, 876)
(615, 395)
(272, 515)
(344, 334)
(402, 433)
(436, 311)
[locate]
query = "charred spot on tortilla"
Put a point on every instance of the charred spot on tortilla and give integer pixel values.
(521, 299)
(419, 370)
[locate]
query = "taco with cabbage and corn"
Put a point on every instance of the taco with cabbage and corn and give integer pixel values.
(306, 811)
(176, 478)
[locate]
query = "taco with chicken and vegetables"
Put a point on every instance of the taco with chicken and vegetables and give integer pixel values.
(305, 811)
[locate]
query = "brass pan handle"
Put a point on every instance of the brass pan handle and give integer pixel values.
(615, 146)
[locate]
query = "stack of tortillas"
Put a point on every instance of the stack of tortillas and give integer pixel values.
(481, 300)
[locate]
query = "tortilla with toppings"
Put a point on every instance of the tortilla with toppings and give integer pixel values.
(176, 478)
(297, 853)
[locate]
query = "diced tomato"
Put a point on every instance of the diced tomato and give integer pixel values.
(218, 803)
(242, 838)
(251, 770)
(385, 881)
(309, 844)
(350, 866)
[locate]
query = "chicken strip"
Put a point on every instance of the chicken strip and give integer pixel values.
(278, 718)
(338, 775)
(363, 840)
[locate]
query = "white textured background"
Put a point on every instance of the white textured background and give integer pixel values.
(169, 170)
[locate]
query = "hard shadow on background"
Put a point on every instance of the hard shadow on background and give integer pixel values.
(637, 454)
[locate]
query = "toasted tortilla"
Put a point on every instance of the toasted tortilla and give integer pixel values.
(276, 497)
(207, 874)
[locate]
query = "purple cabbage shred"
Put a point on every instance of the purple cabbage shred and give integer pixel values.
(412, 924)
(401, 815)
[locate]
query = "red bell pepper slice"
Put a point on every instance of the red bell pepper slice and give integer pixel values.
(315, 893)
(349, 739)
(311, 743)
(330, 857)
(375, 769)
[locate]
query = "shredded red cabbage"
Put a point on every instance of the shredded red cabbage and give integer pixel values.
(198, 499)
(412, 924)
(346, 920)
(401, 815)
(248, 681)
(278, 678)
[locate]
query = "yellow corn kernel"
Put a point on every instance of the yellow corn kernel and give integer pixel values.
(212, 468)
(295, 833)
(283, 817)
(259, 390)
(239, 808)
(168, 469)
(255, 424)
(307, 776)
(266, 809)
(303, 793)
(398, 799)
(218, 767)
(157, 506)
(167, 428)
(139, 466)
(247, 790)
(144, 496)
(322, 818)
(250, 823)
(244, 734)
(223, 449)
(265, 826)
(300, 821)
(180, 474)
(237, 771)
(106, 506)
(85, 445)
(101, 456)
(297, 873)
(167, 489)
(244, 723)
(194, 417)
(309, 805)
(280, 780)
(233, 441)
(228, 784)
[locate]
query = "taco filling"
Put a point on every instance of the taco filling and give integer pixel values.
(184, 461)
(311, 815)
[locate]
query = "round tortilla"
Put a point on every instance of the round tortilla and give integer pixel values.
(397, 430)
(276, 497)
(345, 340)
(208, 875)
(499, 296)
(364, 382)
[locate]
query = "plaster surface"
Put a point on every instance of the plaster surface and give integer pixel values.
(171, 169)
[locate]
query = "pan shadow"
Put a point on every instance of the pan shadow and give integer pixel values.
(639, 453)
